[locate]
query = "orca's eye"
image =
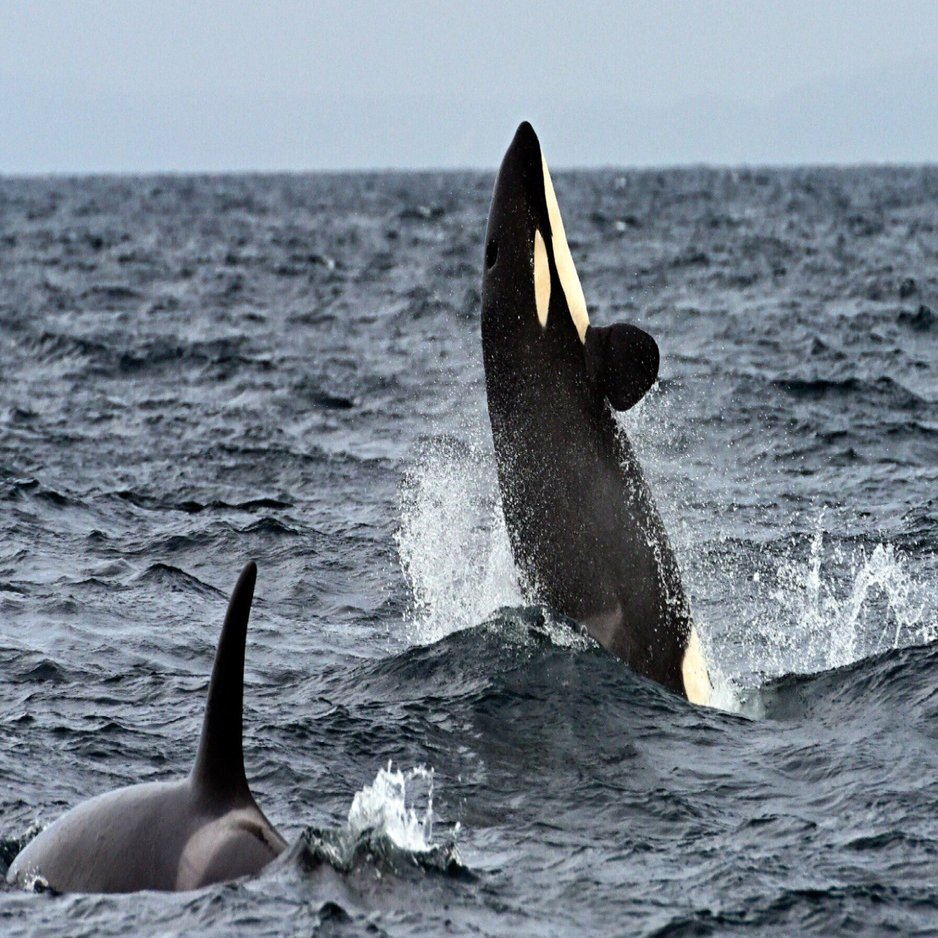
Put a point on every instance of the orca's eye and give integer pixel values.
(491, 253)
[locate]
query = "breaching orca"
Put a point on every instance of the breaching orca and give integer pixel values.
(582, 522)
(169, 835)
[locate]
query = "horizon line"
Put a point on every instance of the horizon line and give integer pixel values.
(464, 169)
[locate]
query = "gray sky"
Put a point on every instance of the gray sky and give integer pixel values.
(140, 85)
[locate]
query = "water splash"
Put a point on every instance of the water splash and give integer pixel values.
(389, 827)
(796, 614)
(452, 541)
(11, 846)
(382, 807)
(873, 605)
(454, 549)
(818, 606)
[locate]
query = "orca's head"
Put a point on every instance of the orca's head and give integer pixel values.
(529, 281)
(533, 308)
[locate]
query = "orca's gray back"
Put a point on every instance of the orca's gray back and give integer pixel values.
(158, 836)
(170, 835)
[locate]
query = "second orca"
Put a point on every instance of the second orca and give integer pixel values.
(169, 836)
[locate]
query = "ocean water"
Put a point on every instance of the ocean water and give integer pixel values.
(195, 371)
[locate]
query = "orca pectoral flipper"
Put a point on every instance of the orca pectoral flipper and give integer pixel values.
(622, 360)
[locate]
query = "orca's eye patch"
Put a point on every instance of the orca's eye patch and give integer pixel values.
(491, 253)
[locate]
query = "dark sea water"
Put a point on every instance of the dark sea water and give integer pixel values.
(197, 371)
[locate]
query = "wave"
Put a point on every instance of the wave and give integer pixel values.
(923, 319)
(169, 578)
(33, 488)
(854, 909)
(883, 388)
(31, 667)
(523, 692)
(496, 681)
(106, 355)
(193, 506)
(894, 685)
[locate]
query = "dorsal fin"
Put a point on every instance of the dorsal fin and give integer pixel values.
(219, 764)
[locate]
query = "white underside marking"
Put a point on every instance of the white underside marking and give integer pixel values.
(694, 671)
(563, 259)
(541, 277)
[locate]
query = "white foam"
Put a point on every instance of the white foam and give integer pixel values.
(723, 694)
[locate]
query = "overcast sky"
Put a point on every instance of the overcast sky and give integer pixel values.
(142, 85)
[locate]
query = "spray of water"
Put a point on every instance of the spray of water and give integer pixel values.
(387, 808)
(833, 608)
(758, 614)
(452, 542)
(390, 826)
(815, 607)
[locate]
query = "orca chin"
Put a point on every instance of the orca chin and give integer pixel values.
(583, 525)
(169, 836)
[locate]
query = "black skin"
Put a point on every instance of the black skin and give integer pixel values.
(583, 526)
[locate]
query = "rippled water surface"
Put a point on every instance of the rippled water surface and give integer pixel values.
(197, 371)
